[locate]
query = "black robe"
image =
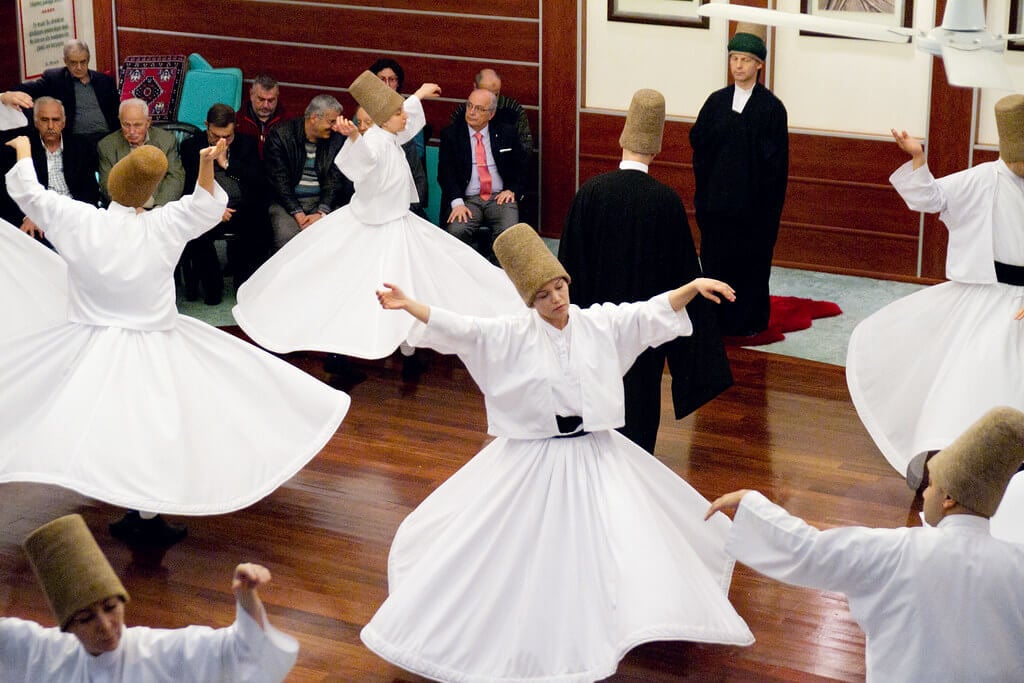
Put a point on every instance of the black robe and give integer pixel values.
(627, 238)
(741, 164)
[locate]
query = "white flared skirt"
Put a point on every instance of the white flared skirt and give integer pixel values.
(547, 560)
(925, 367)
(33, 284)
(188, 421)
(319, 291)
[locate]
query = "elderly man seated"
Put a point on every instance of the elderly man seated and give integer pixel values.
(136, 130)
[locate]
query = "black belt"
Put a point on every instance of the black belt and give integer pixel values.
(568, 426)
(1010, 275)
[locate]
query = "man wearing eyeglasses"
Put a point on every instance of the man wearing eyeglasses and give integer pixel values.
(135, 131)
(481, 167)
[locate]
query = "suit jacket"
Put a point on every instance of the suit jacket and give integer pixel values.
(455, 158)
(284, 155)
(59, 83)
(114, 147)
(79, 173)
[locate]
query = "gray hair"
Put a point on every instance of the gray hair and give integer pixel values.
(321, 105)
(46, 99)
(133, 102)
(75, 44)
(480, 76)
(265, 81)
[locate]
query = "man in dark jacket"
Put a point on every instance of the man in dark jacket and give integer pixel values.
(90, 98)
(239, 171)
(63, 163)
(481, 169)
(305, 185)
(263, 111)
(627, 238)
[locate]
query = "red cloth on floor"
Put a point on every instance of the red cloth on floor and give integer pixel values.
(788, 314)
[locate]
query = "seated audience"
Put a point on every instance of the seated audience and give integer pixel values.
(136, 130)
(263, 111)
(91, 642)
(305, 185)
(239, 172)
(508, 110)
(89, 97)
(481, 168)
(63, 163)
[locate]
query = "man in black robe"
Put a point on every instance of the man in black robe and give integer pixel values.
(741, 163)
(627, 238)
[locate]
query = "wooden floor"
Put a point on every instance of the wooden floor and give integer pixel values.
(787, 428)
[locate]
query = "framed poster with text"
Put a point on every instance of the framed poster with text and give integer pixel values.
(43, 28)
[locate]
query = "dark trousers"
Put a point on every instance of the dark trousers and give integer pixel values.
(642, 387)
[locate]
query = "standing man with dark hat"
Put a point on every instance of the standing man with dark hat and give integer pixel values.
(627, 238)
(91, 642)
(943, 602)
(741, 164)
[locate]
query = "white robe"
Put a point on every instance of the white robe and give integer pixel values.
(319, 291)
(30, 653)
(33, 297)
(128, 402)
(942, 603)
(924, 368)
(547, 559)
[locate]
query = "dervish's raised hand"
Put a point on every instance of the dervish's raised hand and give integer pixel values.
(1020, 315)
(910, 145)
(713, 289)
(727, 503)
(345, 127)
(247, 579)
(428, 91)
(16, 98)
(214, 151)
(21, 146)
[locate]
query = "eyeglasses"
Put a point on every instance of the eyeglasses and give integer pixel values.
(477, 108)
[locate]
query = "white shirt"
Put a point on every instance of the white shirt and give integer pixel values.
(740, 97)
(981, 207)
(628, 165)
(942, 603)
(497, 185)
(240, 652)
(516, 361)
(120, 263)
(377, 167)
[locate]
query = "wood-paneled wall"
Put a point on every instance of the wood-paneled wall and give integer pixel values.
(8, 44)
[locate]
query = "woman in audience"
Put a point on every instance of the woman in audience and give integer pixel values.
(562, 544)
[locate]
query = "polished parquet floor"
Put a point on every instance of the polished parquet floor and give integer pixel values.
(786, 428)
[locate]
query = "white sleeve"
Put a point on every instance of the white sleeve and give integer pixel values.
(12, 117)
(417, 119)
(356, 159)
(851, 560)
(642, 325)
(194, 214)
(47, 209)
(918, 188)
(30, 652)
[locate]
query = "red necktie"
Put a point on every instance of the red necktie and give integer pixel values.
(481, 167)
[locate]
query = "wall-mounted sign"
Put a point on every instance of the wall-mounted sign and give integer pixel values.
(44, 26)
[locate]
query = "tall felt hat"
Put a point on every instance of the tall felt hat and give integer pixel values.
(134, 179)
(749, 39)
(373, 95)
(976, 468)
(1010, 124)
(71, 568)
(645, 123)
(527, 261)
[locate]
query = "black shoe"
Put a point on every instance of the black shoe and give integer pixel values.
(342, 369)
(155, 532)
(412, 367)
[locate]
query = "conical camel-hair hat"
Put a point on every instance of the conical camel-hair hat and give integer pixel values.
(373, 95)
(645, 123)
(134, 179)
(70, 566)
(527, 261)
(1010, 124)
(976, 468)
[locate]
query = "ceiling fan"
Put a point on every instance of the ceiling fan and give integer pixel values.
(973, 57)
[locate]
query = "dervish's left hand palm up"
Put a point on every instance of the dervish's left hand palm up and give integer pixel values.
(391, 298)
(727, 503)
(345, 127)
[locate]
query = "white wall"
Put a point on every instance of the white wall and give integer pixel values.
(827, 84)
